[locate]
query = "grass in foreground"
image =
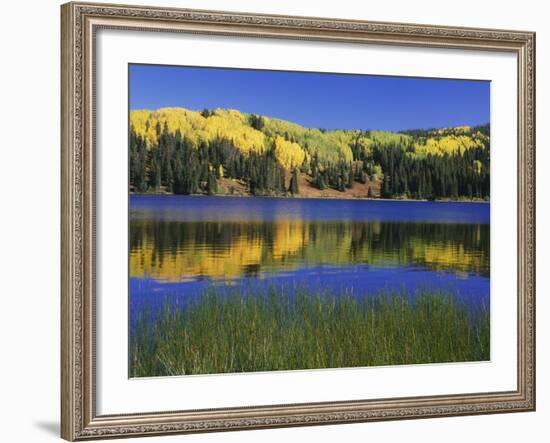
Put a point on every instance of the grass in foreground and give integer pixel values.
(240, 331)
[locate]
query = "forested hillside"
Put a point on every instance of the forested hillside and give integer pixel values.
(175, 150)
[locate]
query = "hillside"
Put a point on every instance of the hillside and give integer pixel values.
(229, 152)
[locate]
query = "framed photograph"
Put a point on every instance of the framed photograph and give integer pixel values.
(281, 221)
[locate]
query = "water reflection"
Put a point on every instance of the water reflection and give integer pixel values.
(188, 250)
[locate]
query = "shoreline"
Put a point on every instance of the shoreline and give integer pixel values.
(283, 323)
(405, 200)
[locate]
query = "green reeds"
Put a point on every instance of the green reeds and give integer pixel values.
(240, 331)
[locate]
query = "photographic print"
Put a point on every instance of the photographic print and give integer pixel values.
(299, 220)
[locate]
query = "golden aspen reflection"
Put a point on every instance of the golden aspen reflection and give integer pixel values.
(179, 251)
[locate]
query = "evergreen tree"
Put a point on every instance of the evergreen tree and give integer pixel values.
(212, 184)
(293, 187)
(256, 121)
(351, 177)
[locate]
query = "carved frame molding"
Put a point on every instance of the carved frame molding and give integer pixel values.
(80, 21)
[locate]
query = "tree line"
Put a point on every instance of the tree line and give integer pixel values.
(444, 176)
(176, 165)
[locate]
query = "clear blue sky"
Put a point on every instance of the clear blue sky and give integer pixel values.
(330, 101)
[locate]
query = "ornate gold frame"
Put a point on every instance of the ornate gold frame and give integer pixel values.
(79, 22)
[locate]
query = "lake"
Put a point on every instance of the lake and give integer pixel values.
(182, 245)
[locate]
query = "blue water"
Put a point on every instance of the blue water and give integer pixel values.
(180, 246)
(204, 209)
